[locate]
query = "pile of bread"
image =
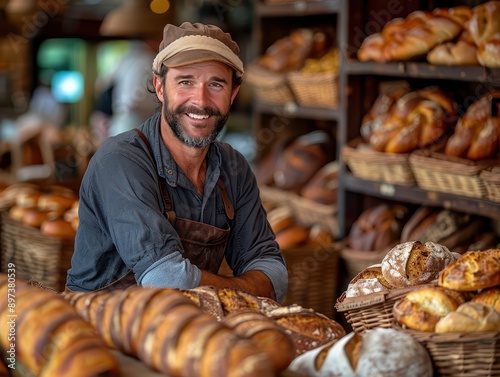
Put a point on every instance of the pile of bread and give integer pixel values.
(402, 120)
(53, 209)
(447, 291)
(199, 332)
(459, 35)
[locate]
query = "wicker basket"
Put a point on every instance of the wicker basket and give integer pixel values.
(269, 86)
(308, 212)
(313, 277)
(434, 171)
(371, 165)
(273, 197)
(491, 180)
(461, 354)
(357, 260)
(315, 89)
(35, 256)
(372, 310)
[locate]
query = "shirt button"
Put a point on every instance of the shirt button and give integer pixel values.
(169, 171)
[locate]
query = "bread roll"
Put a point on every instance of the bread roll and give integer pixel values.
(460, 13)
(489, 296)
(51, 339)
(58, 227)
(454, 53)
(292, 236)
(484, 22)
(488, 52)
(470, 317)
(379, 352)
(422, 308)
(474, 270)
(322, 187)
(34, 217)
(413, 263)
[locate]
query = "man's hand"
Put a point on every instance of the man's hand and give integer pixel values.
(254, 282)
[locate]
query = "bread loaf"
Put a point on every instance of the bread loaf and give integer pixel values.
(470, 317)
(422, 308)
(379, 352)
(474, 270)
(169, 333)
(490, 297)
(454, 53)
(485, 21)
(476, 134)
(369, 280)
(322, 187)
(49, 339)
(413, 263)
(488, 52)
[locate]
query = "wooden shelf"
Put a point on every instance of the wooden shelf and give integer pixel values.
(425, 70)
(297, 8)
(292, 110)
(415, 195)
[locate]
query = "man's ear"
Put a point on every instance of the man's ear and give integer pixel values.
(158, 87)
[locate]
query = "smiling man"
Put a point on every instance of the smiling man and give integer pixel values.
(163, 204)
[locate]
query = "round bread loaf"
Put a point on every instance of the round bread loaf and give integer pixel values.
(413, 263)
(490, 296)
(474, 270)
(470, 317)
(422, 308)
(370, 280)
(378, 352)
(58, 227)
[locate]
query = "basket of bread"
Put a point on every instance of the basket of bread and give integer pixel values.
(370, 296)
(470, 149)
(37, 232)
(458, 318)
(400, 121)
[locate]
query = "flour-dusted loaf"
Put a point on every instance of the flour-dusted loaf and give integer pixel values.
(474, 270)
(48, 337)
(379, 352)
(413, 263)
(470, 317)
(369, 280)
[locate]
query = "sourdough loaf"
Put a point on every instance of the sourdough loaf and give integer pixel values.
(369, 280)
(413, 263)
(470, 317)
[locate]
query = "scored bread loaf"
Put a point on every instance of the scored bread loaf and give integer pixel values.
(170, 333)
(484, 22)
(413, 263)
(472, 271)
(49, 338)
(470, 317)
(369, 280)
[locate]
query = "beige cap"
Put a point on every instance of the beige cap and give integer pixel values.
(195, 43)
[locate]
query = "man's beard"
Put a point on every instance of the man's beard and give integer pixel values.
(173, 119)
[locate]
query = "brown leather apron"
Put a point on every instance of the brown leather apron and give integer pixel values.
(203, 244)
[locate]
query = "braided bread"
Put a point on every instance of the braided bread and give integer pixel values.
(170, 333)
(50, 338)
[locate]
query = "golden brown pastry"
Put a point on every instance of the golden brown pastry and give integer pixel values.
(454, 53)
(484, 22)
(413, 263)
(488, 52)
(489, 296)
(58, 227)
(51, 339)
(422, 308)
(474, 270)
(460, 13)
(470, 317)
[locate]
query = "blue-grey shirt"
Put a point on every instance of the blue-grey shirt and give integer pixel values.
(122, 226)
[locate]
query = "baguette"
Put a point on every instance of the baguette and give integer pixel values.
(51, 339)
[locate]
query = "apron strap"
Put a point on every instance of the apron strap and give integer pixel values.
(169, 213)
